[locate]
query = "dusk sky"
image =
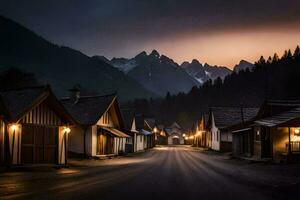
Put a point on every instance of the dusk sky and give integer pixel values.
(220, 32)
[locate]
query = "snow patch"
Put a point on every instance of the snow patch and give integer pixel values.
(126, 67)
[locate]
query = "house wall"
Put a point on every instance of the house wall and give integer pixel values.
(226, 136)
(139, 146)
(257, 143)
(61, 145)
(119, 145)
(14, 143)
(76, 140)
(242, 143)
(215, 137)
(208, 139)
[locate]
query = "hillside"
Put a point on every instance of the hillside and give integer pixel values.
(62, 67)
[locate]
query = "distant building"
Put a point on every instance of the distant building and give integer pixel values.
(175, 134)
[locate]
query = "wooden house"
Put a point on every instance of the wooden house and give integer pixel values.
(277, 131)
(161, 136)
(132, 127)
(220, 119)
(34, 127)
(201, 136)
(149, 132)
(98, 126)
(175, 134)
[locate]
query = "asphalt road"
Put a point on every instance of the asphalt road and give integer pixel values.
(163, 173)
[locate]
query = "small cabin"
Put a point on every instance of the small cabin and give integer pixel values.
(34, 127)
(175, 134)
(132, 128)
(277, 131)
(220, 119)
(99, 124)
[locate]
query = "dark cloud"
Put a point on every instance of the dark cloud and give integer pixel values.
(114, 27)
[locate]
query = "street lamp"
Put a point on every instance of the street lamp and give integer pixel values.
(14, 128)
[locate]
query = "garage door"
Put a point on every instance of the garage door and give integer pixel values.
(39, 144)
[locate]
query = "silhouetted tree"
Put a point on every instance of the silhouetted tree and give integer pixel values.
(297, 52)
(275, 58)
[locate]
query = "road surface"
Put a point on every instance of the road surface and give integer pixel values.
(178, 172)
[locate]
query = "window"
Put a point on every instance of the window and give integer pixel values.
(141, 139)
(257, 135)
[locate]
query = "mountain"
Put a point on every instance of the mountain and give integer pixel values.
(62, 67)
(243, 65)
(202, 73)
(157, 73)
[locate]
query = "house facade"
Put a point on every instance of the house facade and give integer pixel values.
(175, 134)
(220, 121)
(34, 127)
(98, 126)
(277, 131)
(133, 125)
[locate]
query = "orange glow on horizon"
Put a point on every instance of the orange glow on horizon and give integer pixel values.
(227, 48)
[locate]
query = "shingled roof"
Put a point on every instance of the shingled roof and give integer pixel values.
(88, 109)
(17, 102)
(228, 116)
(279, 119)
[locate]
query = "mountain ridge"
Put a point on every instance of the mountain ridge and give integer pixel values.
(60, 66)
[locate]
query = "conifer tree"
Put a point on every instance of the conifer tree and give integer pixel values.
(297, 52)
(275, 58)
(269, 61)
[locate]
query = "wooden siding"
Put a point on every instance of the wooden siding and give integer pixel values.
(42, 115)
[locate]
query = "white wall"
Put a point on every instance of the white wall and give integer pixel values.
(215, 133)
(139, 144)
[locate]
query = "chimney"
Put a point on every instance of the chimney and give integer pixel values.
(75, 94)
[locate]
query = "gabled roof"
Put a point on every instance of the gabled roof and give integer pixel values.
(275, 107)
(139, 121)
(89, 109)
(175, 125)
(279, 119)
(228, 116)
(18, 101)
(14, 104)
(150, 122)
(128, 116)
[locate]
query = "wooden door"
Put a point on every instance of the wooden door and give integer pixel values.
(175, 141)
(101, 144)
(265, 143)
(39, 144)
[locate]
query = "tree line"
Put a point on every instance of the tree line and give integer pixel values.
(275, 78)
